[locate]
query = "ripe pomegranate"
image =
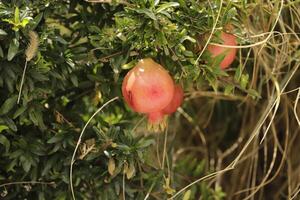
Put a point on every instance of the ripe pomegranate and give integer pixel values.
(148, 87)
(176, 101)
(228, 39)
(156, 117)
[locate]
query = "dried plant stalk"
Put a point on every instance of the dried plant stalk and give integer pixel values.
(108, 1)
(32, 46)
(30, 53)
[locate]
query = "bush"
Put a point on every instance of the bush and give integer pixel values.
(84, 51)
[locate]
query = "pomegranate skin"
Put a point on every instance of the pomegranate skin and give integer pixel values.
(230, 53)
(176, 101)
(148, 87)
(155, 117)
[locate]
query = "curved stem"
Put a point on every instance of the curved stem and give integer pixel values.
(79, 140)
(22, 82)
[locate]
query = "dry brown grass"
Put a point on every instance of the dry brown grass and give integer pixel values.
(262, 161)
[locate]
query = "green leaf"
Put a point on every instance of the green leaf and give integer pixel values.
(39, 116)
(13, 49)
(213, 82)
(147, 12)
(56, 138)
(17, 15)
(10, 123)
(61, 40)
(188, 53)
(156, 2)
(253, 93)
(182, 3)
(38, 76)
(216, 61)
(16, 154)
(218, 71)
(24, 22)
(126, 149)
(61, 196)
(244, 80)
(26, 165)
(74, 80)
(187, 195)
(1, 52)
(19, 112)
(228, 89)
(11, 165)
(2, 32)
(8, 105)
(94, 29)
(199, 169)
(3, 127)
(166, 14)
(238, 73)
(5, 142)
(143, 143)
(37, 20)
(166, 6)
(49, 164)
(229, 15)
(10, 83)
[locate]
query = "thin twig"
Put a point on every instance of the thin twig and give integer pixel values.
(27, 182)
(295, 107)
(78, 143)
(149, 191)
(22, 82)
(165, 148)
(211, 33)
(107, 1)
(123, 184)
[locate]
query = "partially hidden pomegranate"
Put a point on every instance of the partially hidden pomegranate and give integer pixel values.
(230, 53)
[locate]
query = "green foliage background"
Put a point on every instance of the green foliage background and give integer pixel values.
(85, 51)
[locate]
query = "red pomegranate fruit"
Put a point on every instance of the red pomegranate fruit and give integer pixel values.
(230, 53)
(175, 102)
(156, 117)
(148, 87)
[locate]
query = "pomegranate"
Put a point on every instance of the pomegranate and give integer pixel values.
(159, 118)
(228, 39)
(148, 87)
(175, 102)
(156, 117)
